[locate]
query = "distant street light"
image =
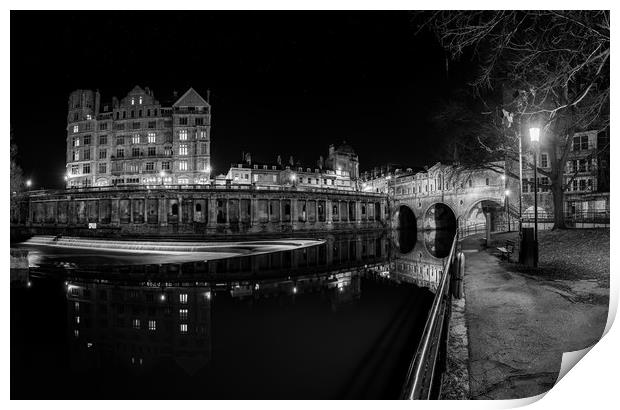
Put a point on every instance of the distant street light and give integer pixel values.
(28, 183)
(535, 139)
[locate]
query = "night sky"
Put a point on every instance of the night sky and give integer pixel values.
(287, 83)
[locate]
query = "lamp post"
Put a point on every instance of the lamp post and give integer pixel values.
(507, 192)
(535, 139)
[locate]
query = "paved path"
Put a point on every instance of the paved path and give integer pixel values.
(519, 326)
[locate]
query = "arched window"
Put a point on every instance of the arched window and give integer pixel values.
(175, 209)
(198, 207)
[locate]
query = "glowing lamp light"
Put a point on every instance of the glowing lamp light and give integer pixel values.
(28, 183)
(208, 169)
(503, 177)
(162, 174)
(162, 297)
(293, 177)
(208, 295)
(535, 134)
(507, 192)
(295, 289)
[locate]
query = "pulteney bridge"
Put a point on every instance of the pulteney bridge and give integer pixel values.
(446, 196)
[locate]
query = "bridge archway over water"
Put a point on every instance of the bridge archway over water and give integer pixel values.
(407, 229)
(440, 216)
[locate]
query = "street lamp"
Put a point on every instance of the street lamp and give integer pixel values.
(535, 139)
(507, 193)
(28, 183)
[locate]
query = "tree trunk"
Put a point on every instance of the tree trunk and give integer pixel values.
(558, 202)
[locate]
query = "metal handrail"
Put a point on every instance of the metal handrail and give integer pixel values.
(413, 387)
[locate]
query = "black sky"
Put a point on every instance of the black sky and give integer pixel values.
(287, 83)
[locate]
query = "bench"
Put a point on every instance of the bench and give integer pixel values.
(507, 250)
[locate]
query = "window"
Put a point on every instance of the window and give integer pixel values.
(582, 184)
(183, 120)
(135, 152)
(152, 325)
(183, 181)
(165, 166)
(183, 314)
(135, 139)
(119, 126)
(120, 140)
(75, 169)
(120, 152)
(103, 153)
(183, 298)
(203, 134)
(103, 126)
(204, 148)
(544, 160)
(580, 143)
(136, 323)
(76, 128)
(152, 124)
(85, 168)
(183, 149)
(200, 121)
(150, 166)
(183, 327)
(86, 153)
(103, 140)
(76, 142)
(76, 155)
(103, 168)
(470, 183)
(183, 135)
(151, 137)
(486, 181)
(574, 184)
(152, 151)
(132, 101)
(140, 100)
(86, 139)
(544, 184)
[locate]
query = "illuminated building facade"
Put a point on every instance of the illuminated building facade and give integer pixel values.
(137, 141)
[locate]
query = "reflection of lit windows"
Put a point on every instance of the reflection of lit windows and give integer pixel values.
(151, 137)
(133, 101)
(203, 134)
(183, 135)
(135, 138)
(183, 149)
(182, 165)
(152, 325)
(183, 181)
(77, 320)
(183, 327)
(76, 128)
(136, 323)
(76, 306)
(76, 333)
(183, 314)
(140, 101)
(183, 298)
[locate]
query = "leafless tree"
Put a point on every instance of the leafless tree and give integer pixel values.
(552, 68)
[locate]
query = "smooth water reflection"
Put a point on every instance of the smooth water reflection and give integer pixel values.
(339, 320)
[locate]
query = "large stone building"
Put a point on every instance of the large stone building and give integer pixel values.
(137, 140)
(586, 178)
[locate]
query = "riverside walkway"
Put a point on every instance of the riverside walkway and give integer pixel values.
(519, 325)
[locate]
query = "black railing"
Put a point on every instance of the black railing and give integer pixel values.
(423, 376)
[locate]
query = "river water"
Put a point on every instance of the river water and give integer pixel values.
(340, 319)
